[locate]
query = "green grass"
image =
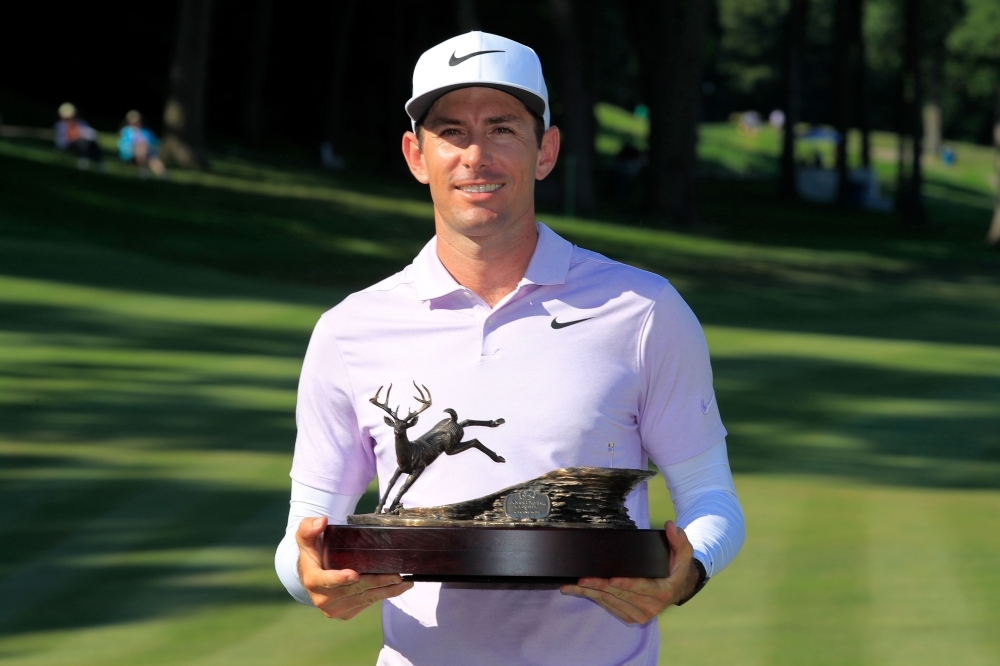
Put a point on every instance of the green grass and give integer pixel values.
(150, 340)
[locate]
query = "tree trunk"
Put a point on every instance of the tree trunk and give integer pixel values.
(795, 39)
(579, 108)
(184, 113)
(333, 127)
(468, 17)
(862, 106)
(993, 237)
(932, 109)
(910, 198)
(671, 38)
(679, 196)
(260, 41)
(846, 66)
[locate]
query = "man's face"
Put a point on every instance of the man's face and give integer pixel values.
(480, 156)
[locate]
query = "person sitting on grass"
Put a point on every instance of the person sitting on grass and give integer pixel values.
(74, 135)
(138, 145)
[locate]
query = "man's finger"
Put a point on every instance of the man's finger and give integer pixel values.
(351, 614)
(648, 586)
(309, 529)
(357, 602)
(346, 582)
(319, 580)
(621, 609)
(677, 538)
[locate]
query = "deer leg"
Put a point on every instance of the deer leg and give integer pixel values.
(475, 444)
(414, 475)
(486, 424)
(392, 482)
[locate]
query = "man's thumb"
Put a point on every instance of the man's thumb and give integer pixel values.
(309, 529)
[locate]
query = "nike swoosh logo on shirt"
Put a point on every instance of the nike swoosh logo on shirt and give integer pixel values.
(458, 61)
(706, 405)
(557, 325)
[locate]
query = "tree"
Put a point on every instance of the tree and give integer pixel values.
(260, 40)
(468, 17)
(579, 108)
(909, 192)
(795, 38)
(847, 79)
(184, 113)
(333, 127)
(941, 17)
(993, 237)
(670, 38)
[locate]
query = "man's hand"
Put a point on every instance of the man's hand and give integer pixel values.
(639, 600)
(339, 594)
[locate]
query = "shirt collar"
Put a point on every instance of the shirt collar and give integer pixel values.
(549, 265)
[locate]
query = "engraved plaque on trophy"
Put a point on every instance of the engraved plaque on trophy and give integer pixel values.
(561, 526)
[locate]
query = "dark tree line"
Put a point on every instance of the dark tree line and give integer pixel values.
(272, 75)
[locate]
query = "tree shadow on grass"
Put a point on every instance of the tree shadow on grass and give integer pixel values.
(125, 547)
(288, 239)
(863, 423)
(123, 332)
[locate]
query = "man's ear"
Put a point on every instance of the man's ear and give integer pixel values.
(414, 157)
(548, 153)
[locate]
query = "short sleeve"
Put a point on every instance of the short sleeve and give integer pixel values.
(678, 414)
(330, 452)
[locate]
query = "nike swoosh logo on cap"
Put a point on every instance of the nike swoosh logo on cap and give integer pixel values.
(558, 325)
(458, 61)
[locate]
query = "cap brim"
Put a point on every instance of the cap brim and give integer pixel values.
(418, 106)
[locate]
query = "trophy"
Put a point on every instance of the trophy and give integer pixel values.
(558, 527)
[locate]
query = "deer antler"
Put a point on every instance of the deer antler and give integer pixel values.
(425, 401)
(385, 405)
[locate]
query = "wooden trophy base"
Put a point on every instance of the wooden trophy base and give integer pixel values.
(497, 554)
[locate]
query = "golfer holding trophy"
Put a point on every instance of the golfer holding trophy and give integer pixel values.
(532, 364)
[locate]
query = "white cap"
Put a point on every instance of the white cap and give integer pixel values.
(478, 59)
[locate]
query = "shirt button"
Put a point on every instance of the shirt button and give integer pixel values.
(468, 294)
(490, 321)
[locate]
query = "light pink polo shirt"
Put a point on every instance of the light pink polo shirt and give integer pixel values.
(633, 369)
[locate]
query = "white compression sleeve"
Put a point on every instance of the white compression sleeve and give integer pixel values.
(307, 503)
(707, 507)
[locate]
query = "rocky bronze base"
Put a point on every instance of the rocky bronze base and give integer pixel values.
(541, 530)
(497, 554)
(567, 497)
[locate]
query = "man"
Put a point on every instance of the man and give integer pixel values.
(501, 318)
(74, 135)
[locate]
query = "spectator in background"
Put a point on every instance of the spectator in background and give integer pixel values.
(73, 134)
(138, 145)
(749, 123)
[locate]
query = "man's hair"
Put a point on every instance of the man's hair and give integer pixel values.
(539, 125)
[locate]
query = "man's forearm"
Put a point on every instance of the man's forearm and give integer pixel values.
(307, 502)
(707, 507)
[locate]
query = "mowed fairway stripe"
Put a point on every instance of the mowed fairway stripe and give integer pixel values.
(821, 590)
(920, 613)
(970, 520)
(907, 355)
(730, 621)
(208, 597)
(46, 577)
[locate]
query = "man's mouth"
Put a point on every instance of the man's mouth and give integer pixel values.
(488, 187)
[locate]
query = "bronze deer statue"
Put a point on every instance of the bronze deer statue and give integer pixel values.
(414, 457)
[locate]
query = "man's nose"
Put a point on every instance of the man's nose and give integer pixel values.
(477, 153)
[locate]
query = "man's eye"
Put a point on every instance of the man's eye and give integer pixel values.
(505, 130)
(449, 132)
